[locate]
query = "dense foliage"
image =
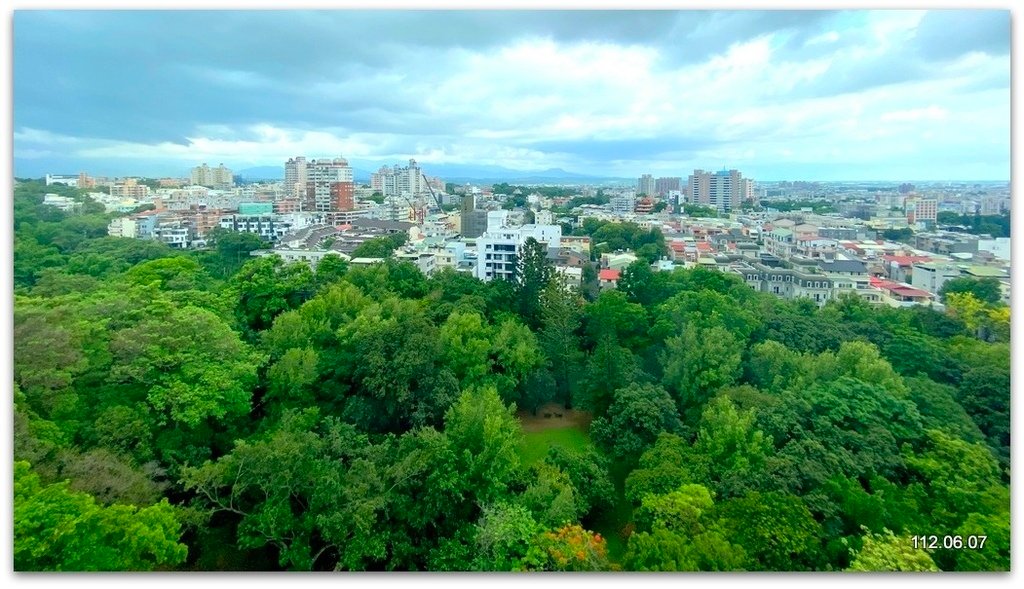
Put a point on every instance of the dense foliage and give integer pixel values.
(214, 411)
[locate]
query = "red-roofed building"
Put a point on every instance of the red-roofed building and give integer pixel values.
(608, 278)
(901, 268)
(897, 294)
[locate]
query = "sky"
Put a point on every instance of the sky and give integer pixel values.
(780, 95)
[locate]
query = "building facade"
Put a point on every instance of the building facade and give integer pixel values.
(220, 178)
(663, 186)
(645, 185)
(499, 247)
(329, 185)
(295, 176)
(724, 190)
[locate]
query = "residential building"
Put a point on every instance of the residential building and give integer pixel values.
(220, 178)
(645, 185)
(724, 190)
(663, 186)
(608, 278)
(329, 185)
(896, 294)
(472, 222)
(295, 177)
(64, 179)
(930, 276)
(64, 203)
(921, 210)
(130, 188)
(123, 227)
(499, 246)
(622, 203)
(399, 181)
(426, 262)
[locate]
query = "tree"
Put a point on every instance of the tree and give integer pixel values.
(732, 453)
(986, 290)
(194, 366)
(233, 249)
(940, 410)
(776, 530)
(985, 395)
(270, 483)
(551, 497)
(533, 274)
(485, 436)
(611, 314)
(887, 552)
(841, 427)
(267, 287)
(568, 548)
(636, 416)
(697, 363)
(559, 319)
(515, 355)
(663, 467)
(56, 529)
(377, 247)
(588, 472)
(504, 536)
(466, 345)
(679, 511)
(609, 368)
(330, 269)
(681, 534)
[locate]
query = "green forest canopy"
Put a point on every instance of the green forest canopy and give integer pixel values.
(233, 413)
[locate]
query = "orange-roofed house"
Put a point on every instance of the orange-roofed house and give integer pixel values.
(608, 278)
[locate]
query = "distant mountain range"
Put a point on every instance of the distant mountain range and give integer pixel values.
(457, 173)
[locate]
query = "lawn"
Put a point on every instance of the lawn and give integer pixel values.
(535, 444)
(541, 433)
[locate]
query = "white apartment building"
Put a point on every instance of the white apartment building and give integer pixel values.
(64, 203)
(930, 276)
(123, 227)
(398, 181)
(71, 181)
(499, 247)
(623, 203)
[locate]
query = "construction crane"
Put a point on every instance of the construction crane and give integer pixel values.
(437, 200)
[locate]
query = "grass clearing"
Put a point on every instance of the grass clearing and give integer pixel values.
(535, 444)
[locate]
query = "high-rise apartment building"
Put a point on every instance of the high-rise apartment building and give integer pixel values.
(645, 185)
(295, 176)
(662, 186)
(398, 181)
(724, 190)
(329, 185)
(219, 178)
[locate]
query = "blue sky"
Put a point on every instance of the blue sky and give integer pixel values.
(887, 95)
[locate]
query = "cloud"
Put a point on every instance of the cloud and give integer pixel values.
(618, 92)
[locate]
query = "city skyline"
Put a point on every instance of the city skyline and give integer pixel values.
(785, 95)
